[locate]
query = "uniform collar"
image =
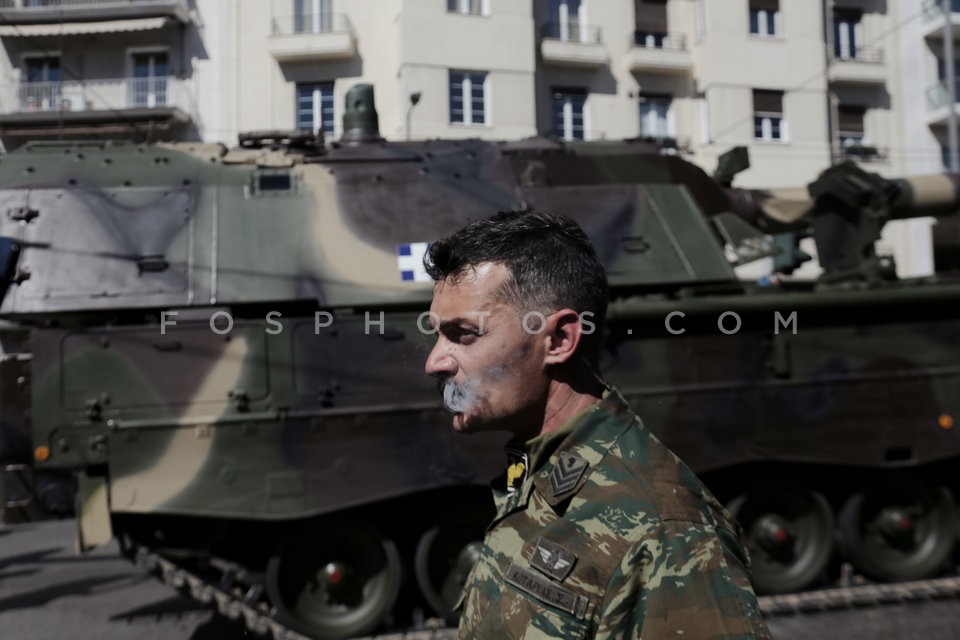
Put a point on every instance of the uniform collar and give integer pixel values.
(558, 463)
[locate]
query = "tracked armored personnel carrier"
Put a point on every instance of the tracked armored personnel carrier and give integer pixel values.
(227, 347)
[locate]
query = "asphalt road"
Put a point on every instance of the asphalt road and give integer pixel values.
(47, 592)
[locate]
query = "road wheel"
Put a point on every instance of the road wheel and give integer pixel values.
(790, 536)
(447, 552)
(334, 579)
(899, 529)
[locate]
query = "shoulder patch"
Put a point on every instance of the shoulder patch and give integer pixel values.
(517, 466)
(552, 560)
(566, 473)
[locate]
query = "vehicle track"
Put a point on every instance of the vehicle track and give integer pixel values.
(236, 600)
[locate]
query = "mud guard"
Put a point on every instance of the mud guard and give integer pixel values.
(93, 513)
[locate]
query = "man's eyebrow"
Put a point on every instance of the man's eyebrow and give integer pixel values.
(454, 323)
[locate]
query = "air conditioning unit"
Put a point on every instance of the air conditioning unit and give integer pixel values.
(72, 101)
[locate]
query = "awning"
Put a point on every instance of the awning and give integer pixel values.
(78, 28)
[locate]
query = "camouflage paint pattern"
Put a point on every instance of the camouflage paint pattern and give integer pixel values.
(653, 554)
(280, 428)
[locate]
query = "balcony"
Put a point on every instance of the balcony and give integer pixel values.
(939, 102)
(116, 107)
(572, 44)
(312, 37)
(866, 66)
(23, 12)
(652, 52)
(853, 147)
(933, 19)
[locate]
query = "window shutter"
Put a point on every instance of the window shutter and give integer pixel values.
(850, 119)
(767, 101)
(651, 16)
(765, 5)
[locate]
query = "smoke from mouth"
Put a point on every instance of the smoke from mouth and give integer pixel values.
(458, 397)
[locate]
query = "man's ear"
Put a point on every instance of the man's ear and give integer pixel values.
(562, 333)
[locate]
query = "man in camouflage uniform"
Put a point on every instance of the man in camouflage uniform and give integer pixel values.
(601, 531)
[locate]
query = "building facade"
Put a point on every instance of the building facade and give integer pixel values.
(802, 84)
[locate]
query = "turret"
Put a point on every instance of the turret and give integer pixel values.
(844, 209)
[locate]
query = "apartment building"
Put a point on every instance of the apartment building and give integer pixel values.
(92, 69)
(802, 84)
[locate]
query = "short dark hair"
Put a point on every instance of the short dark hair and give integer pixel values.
(552, 264)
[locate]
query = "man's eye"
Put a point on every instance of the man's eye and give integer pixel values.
(464, 336)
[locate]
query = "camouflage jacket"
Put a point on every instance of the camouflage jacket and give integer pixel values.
(602, 532)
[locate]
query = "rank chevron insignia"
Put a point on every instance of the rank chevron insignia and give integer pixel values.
(566, 473)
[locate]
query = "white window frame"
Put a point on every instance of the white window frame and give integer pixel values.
(766, 127)
(466, 89)
(763, 21)
(317, 106)
(45, 103)
(668, 120)
(463, 7)
(848, 48)
(43, 55)
(704, 120)
(132, 51)
(564, 21)
(700, 21)
(320, 10)
(568, 117)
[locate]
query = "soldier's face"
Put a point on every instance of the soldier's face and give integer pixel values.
(490, 368)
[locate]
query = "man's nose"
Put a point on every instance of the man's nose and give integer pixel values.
(440, 362)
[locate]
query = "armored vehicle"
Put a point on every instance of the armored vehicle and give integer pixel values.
(227, 347)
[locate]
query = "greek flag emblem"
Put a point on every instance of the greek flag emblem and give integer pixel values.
(410, 262)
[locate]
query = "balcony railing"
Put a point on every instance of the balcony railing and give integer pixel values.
(41, 4)
(113, 94)
(871, 55)
(571, 32)
(657, 40)
(311, 23)
(863, 152)
(39, 12)
(933, 9)
(939, 96)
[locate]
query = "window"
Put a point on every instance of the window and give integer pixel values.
(315, 107)
(41, 89)
(469, 7)
(468, 97)
(945, 157)
(655, 117)
(850, 126)
(768, 124)
(700, 21)
(846, 34)
(765, 17)
(45, 69)
(148, 87)
(312, 16)
(567, 113)
(564, 21)
(651, 23)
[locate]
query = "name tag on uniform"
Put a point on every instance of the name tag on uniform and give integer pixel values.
(545, 591)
